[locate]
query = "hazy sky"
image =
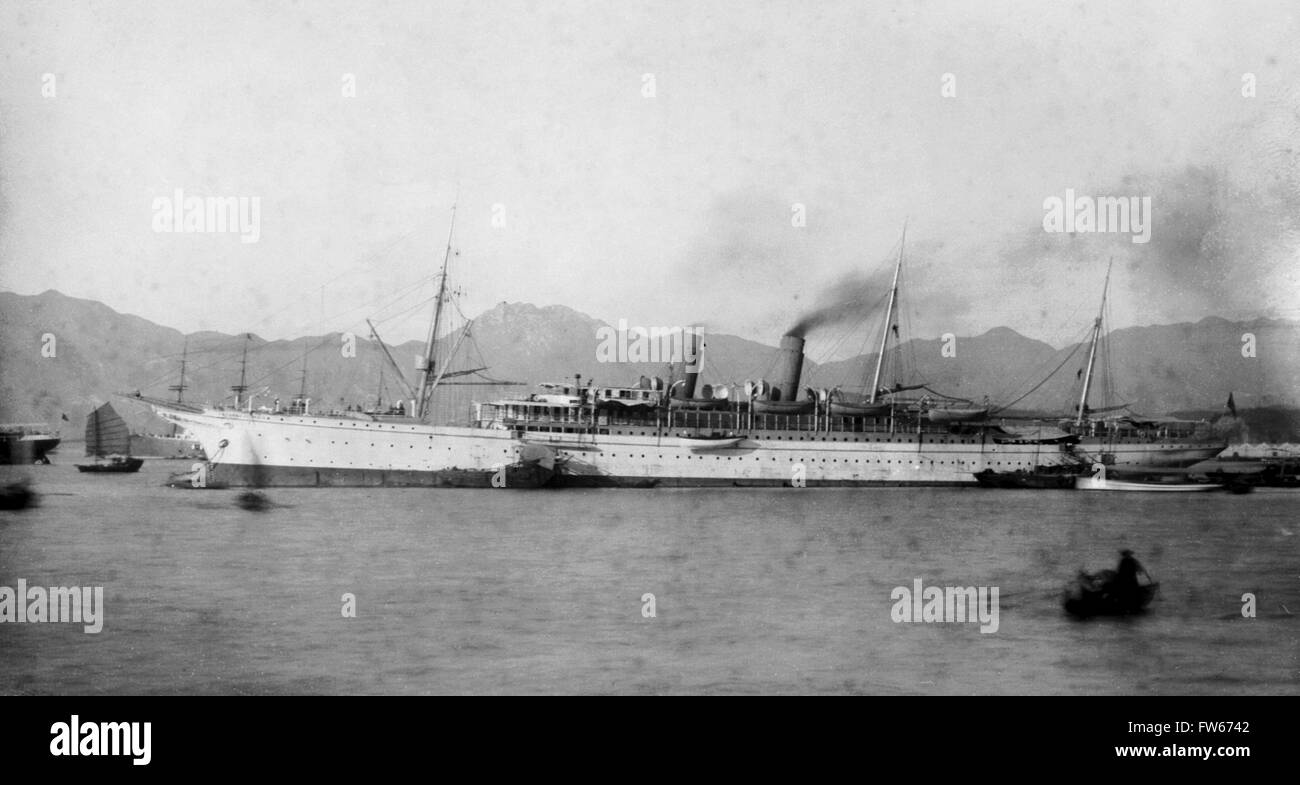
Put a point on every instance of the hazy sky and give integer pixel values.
(661, 209)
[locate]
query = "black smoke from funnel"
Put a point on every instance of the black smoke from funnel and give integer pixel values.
(853, 297)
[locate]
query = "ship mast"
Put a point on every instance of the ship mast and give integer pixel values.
(427, 377)
(180, 388)
(1092, 350)
(889, 316)
(240, 388)
(302, 389)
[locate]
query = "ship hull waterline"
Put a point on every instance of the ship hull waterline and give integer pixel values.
(269, 450)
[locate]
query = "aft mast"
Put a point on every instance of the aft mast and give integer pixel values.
(889, 316)
(428, 375)
(242, 387)
(1092, 351)
(299, 403)
(179, 389)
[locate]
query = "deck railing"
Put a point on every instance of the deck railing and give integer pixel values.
(584, 418)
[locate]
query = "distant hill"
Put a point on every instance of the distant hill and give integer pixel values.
(1154, 369)
(98, 351)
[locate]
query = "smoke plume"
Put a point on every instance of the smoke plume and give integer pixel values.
(852, 298)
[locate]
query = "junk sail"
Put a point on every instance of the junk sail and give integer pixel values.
(109, 440)
(106, 433)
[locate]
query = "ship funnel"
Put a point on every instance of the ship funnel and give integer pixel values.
(691, 347)
(789, 365)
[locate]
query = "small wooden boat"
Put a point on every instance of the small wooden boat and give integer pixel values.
(253, 501)
(1040, 477)
(537, 467)
(1098, 481)
(1098, 594)
(112, 464)
(17, 496)
(109, 440)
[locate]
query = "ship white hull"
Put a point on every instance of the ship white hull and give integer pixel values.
(1140, 452)
(293, 450)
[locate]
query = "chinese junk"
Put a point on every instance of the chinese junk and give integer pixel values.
(109, 440)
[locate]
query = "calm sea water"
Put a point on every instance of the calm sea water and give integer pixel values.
(756, 590)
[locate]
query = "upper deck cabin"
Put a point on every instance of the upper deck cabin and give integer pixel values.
(569, 408)
(1131, 427)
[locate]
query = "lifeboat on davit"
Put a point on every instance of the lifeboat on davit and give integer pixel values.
(709, 441)
(957, 414)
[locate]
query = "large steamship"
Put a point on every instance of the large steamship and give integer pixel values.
(653, 434)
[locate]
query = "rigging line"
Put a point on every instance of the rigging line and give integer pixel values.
(295, 359)
(945, 396)
(1111, 394)
(861, 323)
(906, 362)
(351, 270)
(414, 286)
(221, 345)
(1037, 373)
(715, 369)
(170, 373)
(407, 311)
(387, 300)
(1041, 383)
(1070, 318)
(869, 344)
(824, 357)
(376, 305)
(192, 370)
(224, 356)
(828, 356)
(865, 347)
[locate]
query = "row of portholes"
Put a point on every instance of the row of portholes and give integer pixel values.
(718, 457)
(823, 460)
(811, 439)
(791, 460)
(372, 444)
(367, 425)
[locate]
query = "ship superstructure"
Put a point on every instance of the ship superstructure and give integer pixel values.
(755, 433)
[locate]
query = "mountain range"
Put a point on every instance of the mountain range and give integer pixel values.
(61, 355)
